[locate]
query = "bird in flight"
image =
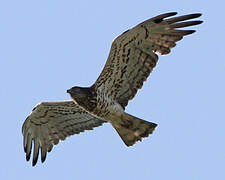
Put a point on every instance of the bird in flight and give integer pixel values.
(132, 57)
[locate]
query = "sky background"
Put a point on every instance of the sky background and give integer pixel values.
(50, 46)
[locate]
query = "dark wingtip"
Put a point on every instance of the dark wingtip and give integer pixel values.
(172, 13)
(35, 158)
(190, 32)
(28, 156)
(169, 14)
(43, 156)
(159, 18)
(196, 15)
(34, 162)
(162, 16)
(199, 22)
(43, 159)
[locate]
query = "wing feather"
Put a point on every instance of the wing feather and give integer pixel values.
(50, 122)
(133, 54)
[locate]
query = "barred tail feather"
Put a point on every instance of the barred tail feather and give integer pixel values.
(132, 129)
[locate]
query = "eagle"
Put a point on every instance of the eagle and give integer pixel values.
(132, 57)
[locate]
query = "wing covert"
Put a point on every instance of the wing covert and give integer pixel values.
(50, 122)
(133, 54)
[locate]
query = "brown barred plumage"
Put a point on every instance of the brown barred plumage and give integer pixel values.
(132, 57)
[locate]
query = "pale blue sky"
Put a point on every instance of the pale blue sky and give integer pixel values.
(50, 46)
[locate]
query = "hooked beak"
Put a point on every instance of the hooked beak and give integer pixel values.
(69, 91)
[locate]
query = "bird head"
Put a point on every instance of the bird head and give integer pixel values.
(78, 93)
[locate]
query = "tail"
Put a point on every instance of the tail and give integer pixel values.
(132, 129)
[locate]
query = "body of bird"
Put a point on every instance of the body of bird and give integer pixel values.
(132, 57)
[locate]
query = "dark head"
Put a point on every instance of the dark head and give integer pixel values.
(85, 97)
(77, 93)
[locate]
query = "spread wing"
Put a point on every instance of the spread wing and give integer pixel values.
(50, 122)
(133, 54)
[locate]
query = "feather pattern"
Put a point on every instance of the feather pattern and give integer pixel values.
(50, 122)
(132, 57)
(133, 54)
